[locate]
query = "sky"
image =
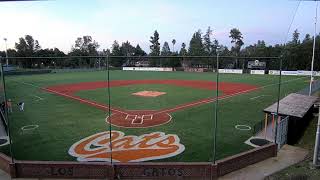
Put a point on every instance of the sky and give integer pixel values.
(57, 23)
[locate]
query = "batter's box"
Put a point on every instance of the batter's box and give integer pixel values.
(147, 117)
(138, 119)
(130, 117)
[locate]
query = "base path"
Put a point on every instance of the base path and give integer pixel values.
(147, 118)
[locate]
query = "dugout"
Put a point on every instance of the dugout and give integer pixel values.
(300, 110)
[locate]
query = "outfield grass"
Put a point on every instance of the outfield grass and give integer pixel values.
(62, 121)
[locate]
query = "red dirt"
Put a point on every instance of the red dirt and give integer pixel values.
(228, 89)
(225, 87)
(139, 119)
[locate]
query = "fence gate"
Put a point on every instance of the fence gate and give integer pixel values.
(282, 131)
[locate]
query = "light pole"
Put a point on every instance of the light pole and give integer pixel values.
(5, 41)
(217, 60)
(313, 49)
(218, 51)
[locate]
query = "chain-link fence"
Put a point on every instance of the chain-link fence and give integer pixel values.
(135, 109)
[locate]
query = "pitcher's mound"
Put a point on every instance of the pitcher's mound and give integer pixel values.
(149, 93)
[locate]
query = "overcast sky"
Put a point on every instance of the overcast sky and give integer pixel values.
(57, 23)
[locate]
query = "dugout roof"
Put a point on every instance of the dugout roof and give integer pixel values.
(296, 105)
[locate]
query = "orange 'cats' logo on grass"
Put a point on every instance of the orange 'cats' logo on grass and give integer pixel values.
(156, 145)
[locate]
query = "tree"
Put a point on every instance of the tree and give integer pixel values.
(139, 52)
(116, 51)
(165, 49)
(49, 62)
(11, 53)
(165, 52)
(196, 47)
(155, 48)
(292, 59)
(155, 45)
(86, 45)
(236, 38)
(306, 38)
(207, 44)
(183, 50)
(295, 37)
(173, 43)
(127, 49)
(27, 46)
(215, 45)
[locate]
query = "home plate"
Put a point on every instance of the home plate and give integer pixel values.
(149, 93)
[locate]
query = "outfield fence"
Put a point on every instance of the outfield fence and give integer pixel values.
(108, 116)
(176, 170)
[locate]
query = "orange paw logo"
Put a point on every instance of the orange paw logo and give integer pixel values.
(156, 145)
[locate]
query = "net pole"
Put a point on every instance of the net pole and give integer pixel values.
(316, 153)
(265, 125)
(7, 115)
(109, 106)
(216, 112)
(278, 101)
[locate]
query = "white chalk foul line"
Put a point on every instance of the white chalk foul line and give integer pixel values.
(263, 95)
(39, 98)
(206, 101)
(73, 97)
(84, 100)
(223, 97)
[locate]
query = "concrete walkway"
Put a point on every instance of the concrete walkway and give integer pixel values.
(287, 156)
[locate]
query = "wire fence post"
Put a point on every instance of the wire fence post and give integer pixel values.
(6, 113)
(109, 106)
(278, 101)
(215, 127)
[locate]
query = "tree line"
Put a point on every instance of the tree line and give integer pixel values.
(296, 53)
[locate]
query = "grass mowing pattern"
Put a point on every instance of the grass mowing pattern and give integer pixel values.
(63, 122)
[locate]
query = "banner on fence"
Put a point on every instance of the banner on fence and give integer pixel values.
(294, 73)
(257, 71)
(147, 69)
(231, 71)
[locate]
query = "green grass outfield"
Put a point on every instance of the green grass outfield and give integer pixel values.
(63, 121)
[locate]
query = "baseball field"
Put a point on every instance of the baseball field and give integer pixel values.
(138, 116)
